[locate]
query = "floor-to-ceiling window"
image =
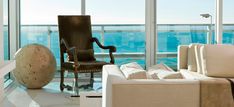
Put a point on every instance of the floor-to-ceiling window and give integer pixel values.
(39, 20)
(179, 22)
(6, 37)
(228, 21)
(119, 23)
(122, 27)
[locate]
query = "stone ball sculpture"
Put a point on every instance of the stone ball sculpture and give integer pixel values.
(35, 66)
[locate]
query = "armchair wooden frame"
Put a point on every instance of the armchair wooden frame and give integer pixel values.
(71, 49)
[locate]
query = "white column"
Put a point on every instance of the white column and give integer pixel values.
(14, 26)
(219, 21)
(151, 32)
(83, 7)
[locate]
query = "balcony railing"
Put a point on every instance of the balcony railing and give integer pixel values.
(129, 39)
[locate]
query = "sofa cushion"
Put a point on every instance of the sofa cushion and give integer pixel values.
(133, 71)
(192, 65)
(218, 60)
(198, 58)
(182, 60)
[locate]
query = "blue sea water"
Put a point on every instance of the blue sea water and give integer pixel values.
(127, 39)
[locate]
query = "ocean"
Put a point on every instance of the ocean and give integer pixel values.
(128, 39)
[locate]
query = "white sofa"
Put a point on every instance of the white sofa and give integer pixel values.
(120, 92)
(203, 68)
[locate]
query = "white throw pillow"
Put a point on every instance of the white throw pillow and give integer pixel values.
(198, 58)
(154, 73)
(192, 64)
(169, 75)
(155, 69)
(160, 66)
(133, 71)
(218, 60)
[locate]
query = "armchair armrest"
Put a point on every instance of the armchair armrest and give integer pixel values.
(111, 49)
(64, 43)
(73, 53)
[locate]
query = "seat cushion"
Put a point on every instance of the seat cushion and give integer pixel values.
(218, 60)
(86, 66)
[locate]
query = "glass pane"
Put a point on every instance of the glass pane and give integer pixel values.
(122, 27)
(180, 24)
(39, 22)
(7, 78)
(5, 29)
(228, 20)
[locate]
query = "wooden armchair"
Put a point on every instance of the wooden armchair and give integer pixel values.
(76, 40)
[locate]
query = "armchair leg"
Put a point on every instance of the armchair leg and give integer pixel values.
(62, 80)
(91, 79)
(76, 88)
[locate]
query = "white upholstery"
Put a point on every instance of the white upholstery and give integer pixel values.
(211, 60)
(182, 57)
(198, 58)
(192, 62)
(110, 75)
(120, 92)
(192, 75)
(218, 60)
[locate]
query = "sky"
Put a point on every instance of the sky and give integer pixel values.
(122, 11)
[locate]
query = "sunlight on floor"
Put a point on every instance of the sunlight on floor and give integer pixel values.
(49, 96)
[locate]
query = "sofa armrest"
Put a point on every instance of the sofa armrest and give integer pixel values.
(160, 93)
(110, 73)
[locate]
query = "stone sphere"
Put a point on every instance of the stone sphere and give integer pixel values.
(35, 66)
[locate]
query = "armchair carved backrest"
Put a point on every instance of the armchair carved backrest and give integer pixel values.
(75, 31)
